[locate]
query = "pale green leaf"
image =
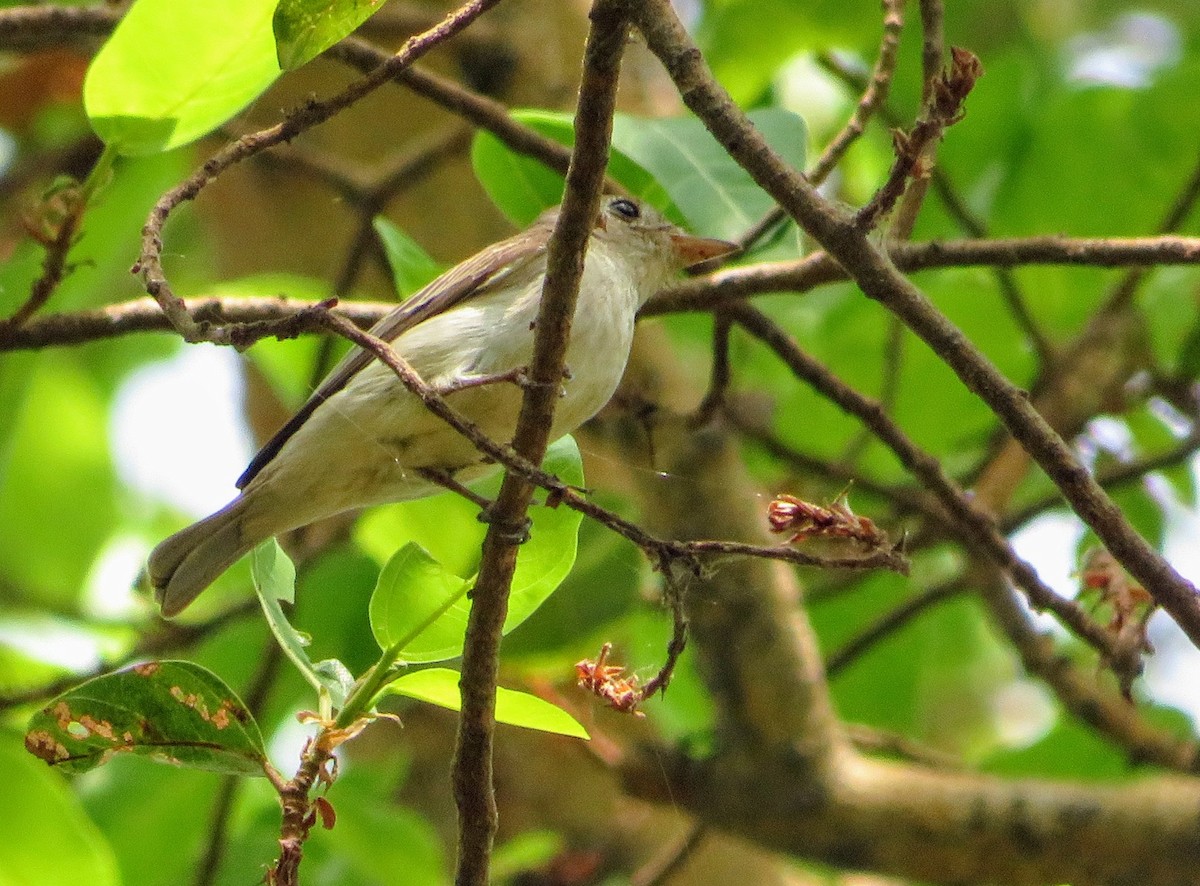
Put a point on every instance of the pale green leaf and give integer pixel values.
(439, 686)
(274, 580)
(714, 194)
(523, 188)
(420, 602)
(419, 607)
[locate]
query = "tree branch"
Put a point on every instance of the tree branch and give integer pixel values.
(472, 771)
(882, 282)
(149, 264)
(699, 294)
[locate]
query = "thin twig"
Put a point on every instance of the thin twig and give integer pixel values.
(149, 264)
(956, 207)
(874, 95)
(915, 148)
(889, 389)
(478, 110)
(718, 385)
(905, 500)
(975, 527)
(802, 275)
(880, 280)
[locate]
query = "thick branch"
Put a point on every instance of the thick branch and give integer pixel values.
(942, 827)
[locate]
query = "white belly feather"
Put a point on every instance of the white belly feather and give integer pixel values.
(362, 446)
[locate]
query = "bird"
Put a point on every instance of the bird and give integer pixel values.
(364, 439)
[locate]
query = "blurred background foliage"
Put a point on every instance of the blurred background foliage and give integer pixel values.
(1085, 123)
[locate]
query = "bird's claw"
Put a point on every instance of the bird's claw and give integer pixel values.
(513, 533)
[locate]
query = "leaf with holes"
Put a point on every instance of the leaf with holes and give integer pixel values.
(170, 711)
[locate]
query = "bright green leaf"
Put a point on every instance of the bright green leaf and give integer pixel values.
(439, 686)
(544, 561)
(172, 72)
(421, 604)
(381, 530)
(412, 267)
(170, 711)
(273, 571)
(420, 607)
(306, 28)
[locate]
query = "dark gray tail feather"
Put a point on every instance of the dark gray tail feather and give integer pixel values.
(190, 560)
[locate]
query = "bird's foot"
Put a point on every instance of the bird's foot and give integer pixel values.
(518, 377)
(513, 533)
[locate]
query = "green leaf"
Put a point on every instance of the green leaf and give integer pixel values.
(1188, 361)
(172, 72)
(420, 607)
(412, 267)
(306, 28)
(274, 580)
(273, 571)
(523, 188)
(714, 194)
(439, 686)
(170, 711)
(546, 559)
(421, 604)
(747, 41)
(56, 834)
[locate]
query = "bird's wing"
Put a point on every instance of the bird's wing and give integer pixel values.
(480, 273)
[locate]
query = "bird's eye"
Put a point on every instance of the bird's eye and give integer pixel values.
(625, 208)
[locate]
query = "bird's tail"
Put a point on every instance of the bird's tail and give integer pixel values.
(190, 560)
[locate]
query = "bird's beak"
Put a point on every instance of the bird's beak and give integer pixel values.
(693, 250)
